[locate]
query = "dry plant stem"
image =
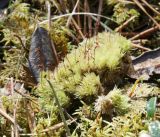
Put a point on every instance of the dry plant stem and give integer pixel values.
(78, 29)
(52, 128)
(140, 47)
(70, 117)
(143, 9)
(142, 41)
(16, 133)
(89, 21)
(9, 118)
(49, 28)
(63, 6)
(78, 17)
(14, 126)
(124, 24)
(57, 6)
(147, 4)
(57, 126)
(30, 116)
(5, 115)
(49, 15)
(77, 13)
(99, 18)
(129, 34)
(26, 96)
(103, 25)
(70, 17)
(148, 31)
(27, 83)
(100, 9)
(19, 38)
(85, 18)
(12, 131)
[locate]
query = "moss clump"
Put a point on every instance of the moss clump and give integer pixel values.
(114, 101)
(94, 60)
(80, 74)
(87, 68)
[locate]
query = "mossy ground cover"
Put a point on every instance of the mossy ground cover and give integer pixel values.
(91, 80)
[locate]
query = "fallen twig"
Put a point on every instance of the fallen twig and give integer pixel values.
(149, 6)
(140, 47)
(124, 24)
(146, 32)
(52, 128)
(143, 9)
(5, 115)
(70, 17)
(76, 13)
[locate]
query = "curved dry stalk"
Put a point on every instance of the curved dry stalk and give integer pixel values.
(143, 9)
(148, 31)
(140, 47)
(149, 6)
(70, 17)
(76, 13)
(124, 24)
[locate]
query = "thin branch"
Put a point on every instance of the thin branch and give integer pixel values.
(57, 126)
(140, 47)
(30, 116)
(99, 18)
(49, 15)
(49, 28)
(89, 20)
(143, 9)
(85, 18)
(124, 24)
(148, 31)
(103, 25)
(4, 114)
(26, 96)
(150, 6)
(52, 128)
(100, 9)
(78, 29)
(70, 17)
(77, 13)
(15, 121)
(57, 6)
(19, 38)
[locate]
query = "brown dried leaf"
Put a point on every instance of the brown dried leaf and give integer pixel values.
(147, 65)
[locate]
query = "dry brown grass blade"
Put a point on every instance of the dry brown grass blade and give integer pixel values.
(85, 18)
(52, 128)
(73, 11)
(16, 133)
(150, 6)
(140, 47)
(89, 21)
(146, 32)
(49, 28)
(57, 126)
(143, 9)
(30, 116)
(124, 24)
(99, 18)
(78, 28)
(5, 115)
